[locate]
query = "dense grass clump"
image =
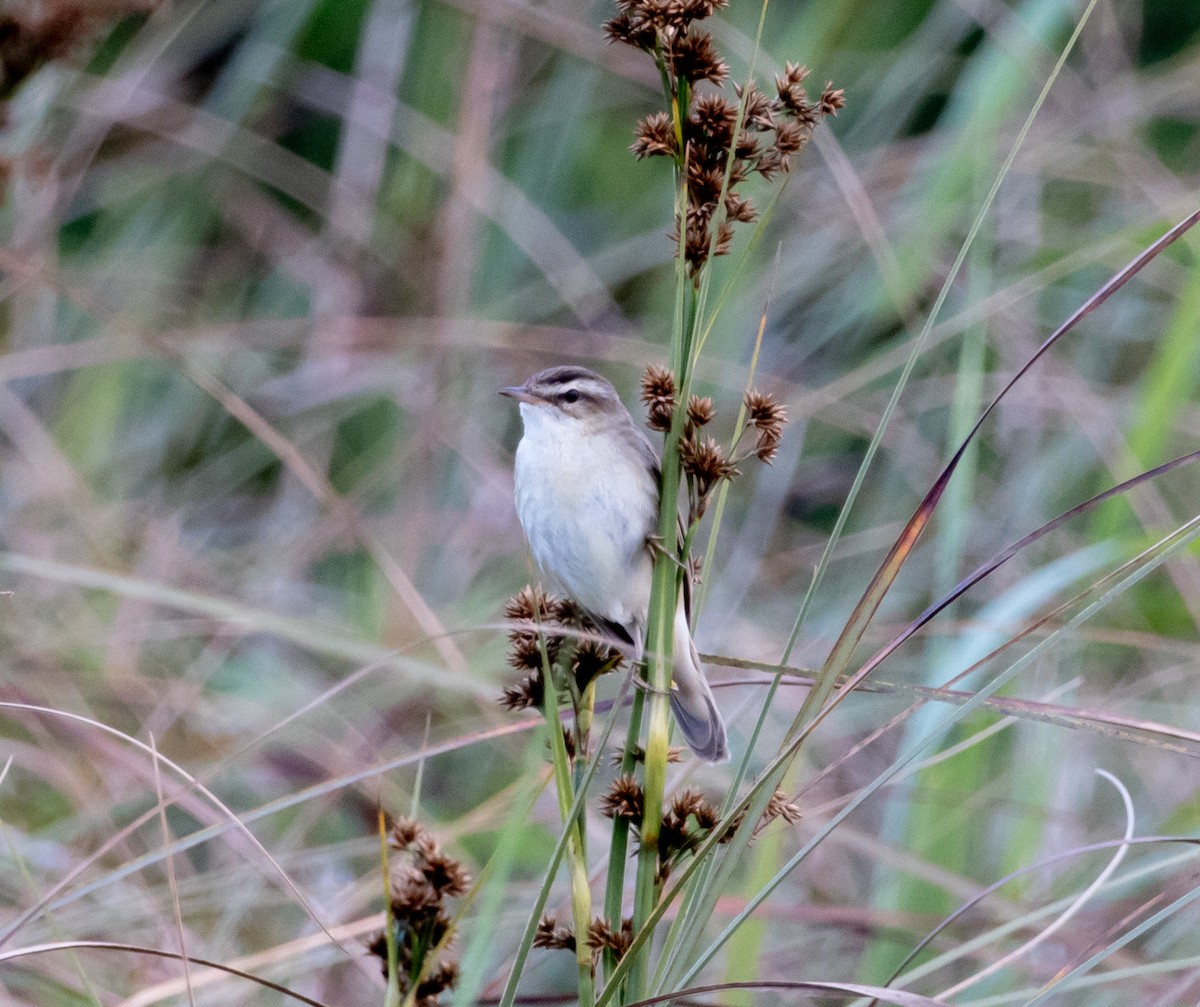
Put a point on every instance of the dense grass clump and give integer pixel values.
(263, 269)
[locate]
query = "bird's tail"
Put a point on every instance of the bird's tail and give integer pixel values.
(692, 700)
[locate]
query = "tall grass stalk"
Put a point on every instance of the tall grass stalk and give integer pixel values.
(262, 269)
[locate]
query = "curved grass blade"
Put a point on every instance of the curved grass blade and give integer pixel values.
(815, 708)
(1153, 734)
(898, 997)
(1040, 865)
(39, 949)
(983, 571)
(918, 346)
(1101, 594)
(864, 611)
(1104, 949)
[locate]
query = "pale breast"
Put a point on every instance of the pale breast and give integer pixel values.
(587, 505)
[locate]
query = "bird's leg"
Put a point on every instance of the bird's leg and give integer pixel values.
(654, 544)
(639, 682)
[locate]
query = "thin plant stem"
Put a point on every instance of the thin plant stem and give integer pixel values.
(581, 897)
(392, 996)
(614, 893)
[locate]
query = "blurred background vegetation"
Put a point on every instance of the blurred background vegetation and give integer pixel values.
(264, 266)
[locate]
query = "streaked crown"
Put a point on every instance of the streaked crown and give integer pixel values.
(576, 391)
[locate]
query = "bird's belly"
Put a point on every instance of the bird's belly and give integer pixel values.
(586, 514)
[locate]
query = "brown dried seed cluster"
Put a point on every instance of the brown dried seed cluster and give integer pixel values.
(773, 130)
(705, 464)
(528, 694)
(767, 417)
(602, 937)
(550, 935)
(623, 799)
(777, 807)
(780, 807)
(700, 412)
(687, 822)
(689, 819)
(658, 393)
(569, 743)
(532, 610)
(422, 878)
(643, 22)
(537, 615)
(655, 137)
(705, 460)
(591, 660)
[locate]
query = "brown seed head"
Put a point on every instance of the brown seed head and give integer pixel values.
(638, 34)
(739, 209)
(780, 807)
(623, 800)
(769, 163)
(790, 136)
(527, 694)
(712, 119)
(405, 832)
(444, 874)
(550, 935)
(568, 737)
(530, 603)
(715, 159)
(832, 100)
(758, 107)
(766, 446)
(693, 804)
(412, 896)
(536, 614)
(704, 186)
(436, 983)
(767, 416)
(602, 937)
(674, 755)
(789, 87)
(421, 878)
(695, 250)
(704, 460)
(692, 57)
(654, 136)
(700, 411)
(592, 659)
(658, 393)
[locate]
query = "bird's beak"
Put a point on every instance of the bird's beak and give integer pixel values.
(521, 394)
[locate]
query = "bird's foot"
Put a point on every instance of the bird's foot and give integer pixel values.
(655, 544)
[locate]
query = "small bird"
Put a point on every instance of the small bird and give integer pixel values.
(587, 492)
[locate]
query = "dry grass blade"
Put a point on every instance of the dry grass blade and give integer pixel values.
(900, 998)
(16, 954)
(172, 881)
(323, 639)
(1003, 557)
(1138, 731)
(881, 582)
(232, 818)
(262, 268)
(54, 894)
(1174, 895)
(1062, 857)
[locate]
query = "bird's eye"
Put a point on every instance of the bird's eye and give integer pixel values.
(570, 396)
